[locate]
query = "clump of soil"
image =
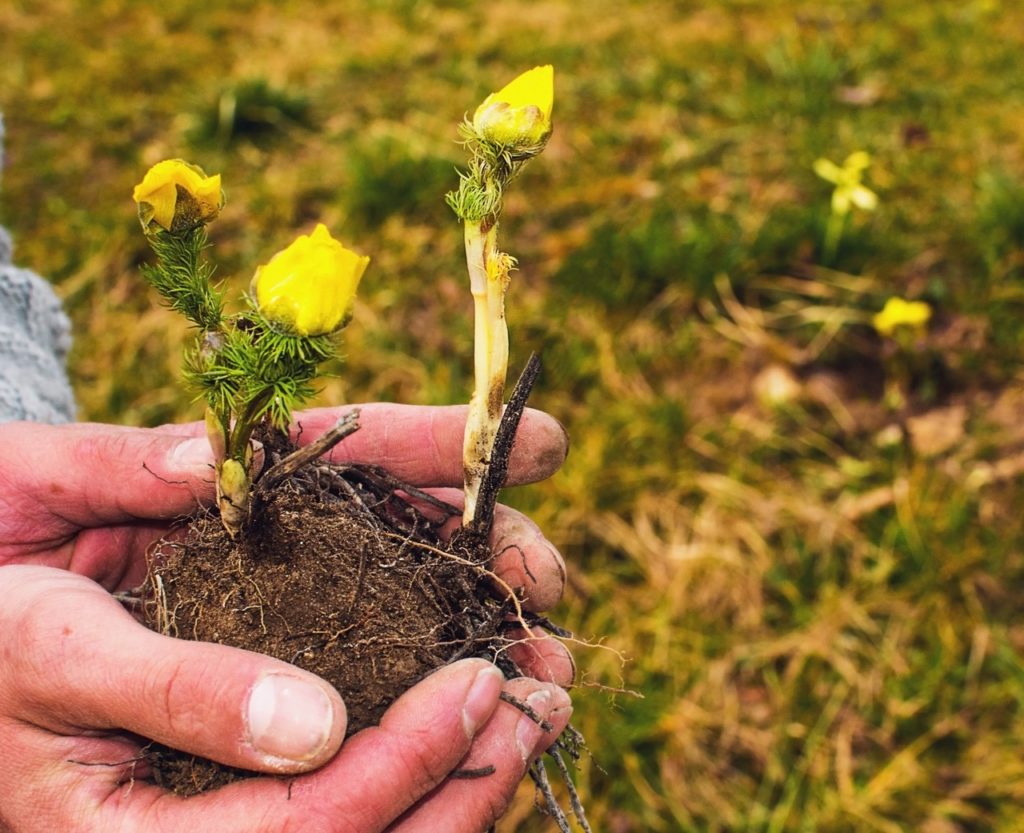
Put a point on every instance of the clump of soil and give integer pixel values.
(342, 571)
(339, 575)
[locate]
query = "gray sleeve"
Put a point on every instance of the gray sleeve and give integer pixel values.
(35, 336)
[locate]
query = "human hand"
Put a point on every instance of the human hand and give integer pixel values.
(87, 671)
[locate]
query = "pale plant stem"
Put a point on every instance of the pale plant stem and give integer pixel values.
(488, 279)
(833, 234)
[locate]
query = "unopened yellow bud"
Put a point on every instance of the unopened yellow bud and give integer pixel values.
(177, 196)
(309, 287)
(519, 114)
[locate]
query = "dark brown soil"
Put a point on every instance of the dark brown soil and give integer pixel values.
(339, 575)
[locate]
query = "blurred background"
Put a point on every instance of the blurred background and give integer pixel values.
(794, 527)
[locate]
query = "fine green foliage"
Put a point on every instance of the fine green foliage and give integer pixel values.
(815, 584)
(491, 168)
(184, 278)
(252, 370)
(245, 366)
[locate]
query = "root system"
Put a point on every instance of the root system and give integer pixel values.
(342, 571)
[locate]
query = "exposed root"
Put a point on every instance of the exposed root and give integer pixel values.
(574, 796)
(527, 710)
(342, 571)
(510, 594)
(550, 805)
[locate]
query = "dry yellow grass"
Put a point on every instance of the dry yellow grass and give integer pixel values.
(818, 596)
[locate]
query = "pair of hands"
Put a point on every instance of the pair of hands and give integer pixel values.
(83, 683)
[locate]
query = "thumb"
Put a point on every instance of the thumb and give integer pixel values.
(90, 474)
(78, 660)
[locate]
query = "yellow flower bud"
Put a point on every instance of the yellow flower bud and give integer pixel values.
(519, 114)
(310, 286)
(177, 196)
(900, 313)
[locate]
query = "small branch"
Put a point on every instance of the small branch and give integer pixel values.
(490, 358)
(527, 710)
(389, 479)
(346, 425)
(470, 774)
(497, 469)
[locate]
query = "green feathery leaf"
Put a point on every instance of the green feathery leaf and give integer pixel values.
(182, 277)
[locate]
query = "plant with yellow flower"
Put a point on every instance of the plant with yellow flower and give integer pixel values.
(308, 548)
(849, 191)
(260, 363)
(903, 325)
(509, 128)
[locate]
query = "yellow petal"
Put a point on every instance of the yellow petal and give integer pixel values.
(841, 200)
(897, 313)
(859, 160)
(864, 198)
(176, 195)
(536, 87)
(519, 114)
(310, 286)
(827, 170)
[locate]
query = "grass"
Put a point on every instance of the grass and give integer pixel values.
(817, 591)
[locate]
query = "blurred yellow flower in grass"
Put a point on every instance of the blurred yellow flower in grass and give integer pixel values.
(310, 286)
(849, 190)
(177, 196)
(519, 114)
(899, 313)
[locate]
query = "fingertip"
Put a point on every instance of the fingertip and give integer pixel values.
(545, 710)
(540, 449)
(191, 456)
(482, 696)
(526, 559)
(293, 723)
(472, 687)
(542, 656)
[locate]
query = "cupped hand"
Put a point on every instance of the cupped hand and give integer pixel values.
(84, 681)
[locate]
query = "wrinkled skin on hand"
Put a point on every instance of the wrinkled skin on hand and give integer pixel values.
(84, 683)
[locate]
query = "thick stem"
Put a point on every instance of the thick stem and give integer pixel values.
(233, 483)
(488, 278)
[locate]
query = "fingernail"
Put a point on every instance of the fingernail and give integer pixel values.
(481, 699)
(560, 702)
(566, 439)
(289, 718)
(559, 562)
(192, 454)
(572, 664)
(527, 730)
(561, 708)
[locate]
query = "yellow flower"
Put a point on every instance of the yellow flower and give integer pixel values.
(899, 313)
(310, 286)
(519, 114)
(177, 196)
(849, 190)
